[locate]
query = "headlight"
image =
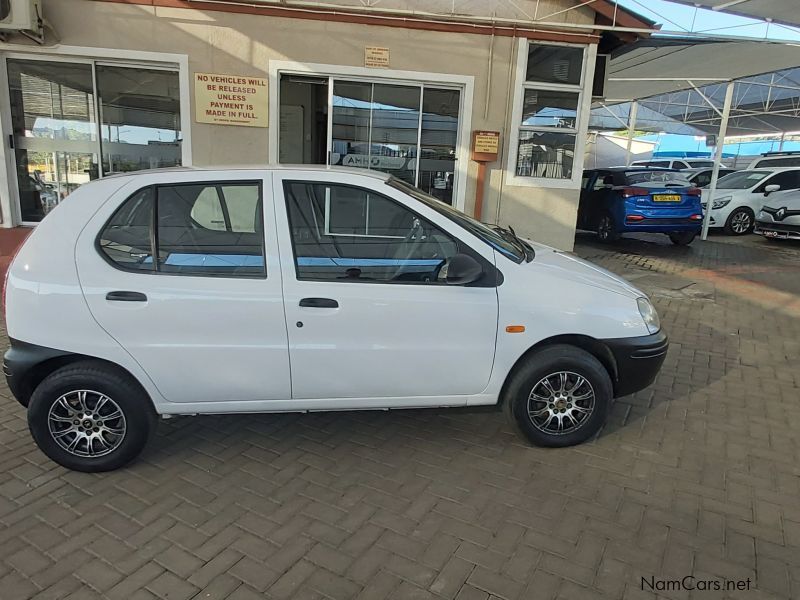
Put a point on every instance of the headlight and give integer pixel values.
(649, 315)
(722, 202)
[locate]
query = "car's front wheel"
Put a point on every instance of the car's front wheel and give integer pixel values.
(682, 238)
(559, 397)
(740, 221)
(90, 417)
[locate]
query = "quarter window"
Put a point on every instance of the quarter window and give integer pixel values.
(550, 98)
(206, 229)
(344, 233)
(126, 239)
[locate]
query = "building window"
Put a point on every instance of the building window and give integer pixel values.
(77, 121)
(549, 102)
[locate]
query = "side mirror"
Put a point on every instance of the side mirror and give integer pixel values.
(463, 269)
(773, 187)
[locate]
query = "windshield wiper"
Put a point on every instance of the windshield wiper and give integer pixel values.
(510, 235)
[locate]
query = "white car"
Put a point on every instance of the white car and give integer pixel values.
(675, 163)
(189, 291)
(776, 159)
(779, 218)
(740, 196)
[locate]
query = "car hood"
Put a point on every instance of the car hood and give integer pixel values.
(568, 266)
(789, 202)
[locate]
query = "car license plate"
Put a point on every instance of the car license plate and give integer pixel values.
(666, 198)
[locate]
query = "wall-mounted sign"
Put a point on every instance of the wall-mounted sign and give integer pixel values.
(376, 57)
(711, 140)
(485, 145)
(230, 100)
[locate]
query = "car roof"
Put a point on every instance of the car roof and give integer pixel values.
(772, 169)
(634, 168)
(308, 168)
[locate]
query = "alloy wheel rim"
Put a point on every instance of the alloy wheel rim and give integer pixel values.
(560, 403)
(86, 423)
(740, 222)
(604, 230)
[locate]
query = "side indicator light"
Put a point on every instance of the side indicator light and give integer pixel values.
(515, 329)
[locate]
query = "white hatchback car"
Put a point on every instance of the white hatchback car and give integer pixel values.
(779, 218)
(740, 196)
(181, 292)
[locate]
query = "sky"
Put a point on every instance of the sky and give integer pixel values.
(680, 17)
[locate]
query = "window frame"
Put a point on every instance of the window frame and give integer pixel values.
(154, 242)
(491, 276)
(583, 90)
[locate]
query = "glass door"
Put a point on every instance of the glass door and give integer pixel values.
(407, 129)
(54, 123)
(66, 115)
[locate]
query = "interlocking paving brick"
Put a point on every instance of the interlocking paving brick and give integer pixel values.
(696, 475)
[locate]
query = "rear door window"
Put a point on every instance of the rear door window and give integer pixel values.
(203, 229)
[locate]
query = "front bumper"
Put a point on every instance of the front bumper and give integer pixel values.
(638, 360)
(781, 231)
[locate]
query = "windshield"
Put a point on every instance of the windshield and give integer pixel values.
(700, 163)
(653, 175)
(476, 228)
(742, 180)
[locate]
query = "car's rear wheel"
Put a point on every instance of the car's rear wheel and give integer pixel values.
(682, 238)
(740, 222)
(559, 397)
(90, 417)
(607, 228)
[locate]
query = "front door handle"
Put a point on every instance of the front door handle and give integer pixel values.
(126, 297)
(319, 303)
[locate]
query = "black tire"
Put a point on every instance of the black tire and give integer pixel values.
(682, 238)
(93, 379)
(742, 215)
(607, 228)
(548, 362)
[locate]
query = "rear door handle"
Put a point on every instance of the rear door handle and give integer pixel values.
(319, 303)
(126, 297)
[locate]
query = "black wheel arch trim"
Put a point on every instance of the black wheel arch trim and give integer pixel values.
(25, 366)
(632, 362)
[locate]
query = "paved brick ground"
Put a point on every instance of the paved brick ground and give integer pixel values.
(700, 474)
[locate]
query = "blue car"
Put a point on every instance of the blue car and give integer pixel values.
(630, 199)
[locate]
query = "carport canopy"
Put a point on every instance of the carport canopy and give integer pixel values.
(778, 11)
(699, 86)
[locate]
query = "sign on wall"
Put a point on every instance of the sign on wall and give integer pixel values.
(485, 145)
(230, 100)
(376, 57)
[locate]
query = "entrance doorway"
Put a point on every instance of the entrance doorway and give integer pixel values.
(410, 130)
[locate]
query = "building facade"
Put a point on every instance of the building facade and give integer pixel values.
(126, 85)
